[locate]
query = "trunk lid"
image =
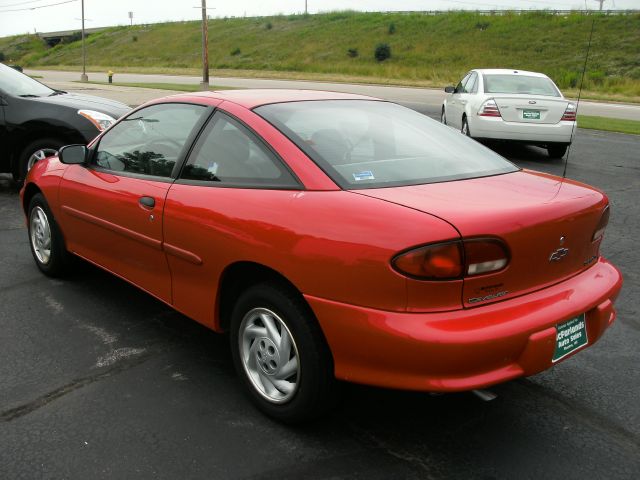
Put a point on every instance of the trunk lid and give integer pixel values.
(530, 109)
(538, 216)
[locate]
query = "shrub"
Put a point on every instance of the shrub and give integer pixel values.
(268, 26)
(2, 57)
(236, 51)
(134, 38)
(382, 52)
(352, 52)
(482, 25)
(392, 28)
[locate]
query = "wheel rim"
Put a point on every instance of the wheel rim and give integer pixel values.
(269, 355)
(40, 235)
(443, 117)
(465, 128)
(40, 155)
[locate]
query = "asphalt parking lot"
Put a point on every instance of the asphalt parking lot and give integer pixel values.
(99, 380)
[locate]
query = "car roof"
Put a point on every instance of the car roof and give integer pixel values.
(509, 71)
(252, 98)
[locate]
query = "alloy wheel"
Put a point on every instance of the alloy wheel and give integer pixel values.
(40, 235)
(269, 355)
(38, 155)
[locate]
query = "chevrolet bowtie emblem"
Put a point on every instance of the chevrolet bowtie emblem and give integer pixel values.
(558, 255)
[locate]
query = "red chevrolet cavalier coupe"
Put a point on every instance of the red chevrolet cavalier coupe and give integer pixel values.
(335, 237)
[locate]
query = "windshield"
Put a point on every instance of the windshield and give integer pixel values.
(18, 84)
(367, 144)
(520, 84)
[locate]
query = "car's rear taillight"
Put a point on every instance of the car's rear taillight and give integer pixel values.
(484, 256)
(569, 114)
(453, 260)
(440, 261)
(489, 109)
(602, 225)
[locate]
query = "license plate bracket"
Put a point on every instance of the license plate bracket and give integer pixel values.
(570, 336)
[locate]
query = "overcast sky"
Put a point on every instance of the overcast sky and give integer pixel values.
(21, 16)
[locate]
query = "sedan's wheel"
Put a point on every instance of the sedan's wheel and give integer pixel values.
(45, 239)
(33, 153)
(280, 354)
(443, 117)
(556, 151)
(465, 127)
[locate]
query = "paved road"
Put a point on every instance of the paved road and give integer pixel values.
(99, 380)
(424, 97)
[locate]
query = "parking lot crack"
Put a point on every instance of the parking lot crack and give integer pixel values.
(27, 408)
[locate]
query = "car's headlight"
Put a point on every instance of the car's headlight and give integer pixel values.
(102, 121)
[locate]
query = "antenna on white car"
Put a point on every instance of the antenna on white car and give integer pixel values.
(584, 69)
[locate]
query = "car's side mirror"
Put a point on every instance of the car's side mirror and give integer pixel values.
(450, 89)
(73, 154)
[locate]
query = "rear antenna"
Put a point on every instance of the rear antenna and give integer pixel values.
(584, 69)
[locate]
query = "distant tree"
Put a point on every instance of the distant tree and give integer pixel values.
(392, 28)
(268, 26)
(352, 52)
(382, 52)
(2, 57)
(236, 52)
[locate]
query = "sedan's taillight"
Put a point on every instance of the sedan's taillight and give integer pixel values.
(602, 225)
(453, 260)
(489, 109)
(569, 114)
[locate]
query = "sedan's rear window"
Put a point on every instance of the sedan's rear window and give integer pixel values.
(519, 84)
(368, 144)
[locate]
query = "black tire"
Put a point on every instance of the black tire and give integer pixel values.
(44, 144)
(556, 151)
(316, 387)
(465, 127)
(443, 116)
(57, 264)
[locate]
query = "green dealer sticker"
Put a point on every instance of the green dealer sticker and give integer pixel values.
(570, 336)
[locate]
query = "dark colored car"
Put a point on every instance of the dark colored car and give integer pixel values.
(35, 120)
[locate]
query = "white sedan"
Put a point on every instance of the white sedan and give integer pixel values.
(512, 105)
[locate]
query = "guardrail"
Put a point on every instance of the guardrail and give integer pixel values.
(517, 12)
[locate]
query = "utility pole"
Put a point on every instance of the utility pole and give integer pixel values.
(131, 18)
(600, 2)
(83, 77)
(305, 7)
(204, 84)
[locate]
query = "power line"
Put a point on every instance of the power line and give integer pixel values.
(21, 3)
(37, 7)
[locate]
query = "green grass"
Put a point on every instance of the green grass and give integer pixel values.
(427, 50)
(609, 124)
(178, 87)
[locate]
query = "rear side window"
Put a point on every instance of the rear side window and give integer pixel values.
(227, 153)
(149, 141)
(519, 85)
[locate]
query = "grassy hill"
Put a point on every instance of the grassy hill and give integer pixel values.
(425, 49)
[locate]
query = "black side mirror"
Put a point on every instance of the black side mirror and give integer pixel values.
(73, 154)
(450, 89)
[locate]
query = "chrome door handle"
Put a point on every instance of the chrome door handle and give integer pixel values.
(147, 202)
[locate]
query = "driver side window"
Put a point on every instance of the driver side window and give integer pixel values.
(149, 141)
(460, 86)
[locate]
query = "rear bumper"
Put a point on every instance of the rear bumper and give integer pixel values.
(469, 348)
(497, 128)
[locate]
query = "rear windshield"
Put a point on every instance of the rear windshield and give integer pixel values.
(368, 144)
(519, 84)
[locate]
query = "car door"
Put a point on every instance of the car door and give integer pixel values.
(112, 208)
(469, 92)
(215, 211)
(454, 104)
